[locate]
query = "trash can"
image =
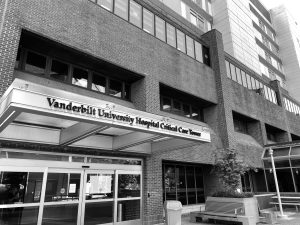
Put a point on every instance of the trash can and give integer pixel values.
(173, 212)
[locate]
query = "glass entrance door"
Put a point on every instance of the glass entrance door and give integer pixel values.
(98, 197)
(111, 197)
(128, 198)
(53, 196)
(61, 198)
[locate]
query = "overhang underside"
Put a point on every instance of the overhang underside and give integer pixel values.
(22, 121)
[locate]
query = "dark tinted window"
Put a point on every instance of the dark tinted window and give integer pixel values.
(127, 92)
(115, 88)
(35, 63)
(59, 70)
(166, 104)
(206, 57)
(99, 83)
(80, 77)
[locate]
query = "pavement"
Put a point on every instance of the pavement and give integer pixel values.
(292, 218)
(185, 220)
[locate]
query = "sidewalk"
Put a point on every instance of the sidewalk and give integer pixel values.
(185, 220)
(293, 218)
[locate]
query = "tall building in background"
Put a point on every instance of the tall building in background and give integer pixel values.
(265, 41)
(288, 36)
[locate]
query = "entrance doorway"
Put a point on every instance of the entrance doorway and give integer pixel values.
(101, 194)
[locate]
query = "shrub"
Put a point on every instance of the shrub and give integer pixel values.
(228, 168)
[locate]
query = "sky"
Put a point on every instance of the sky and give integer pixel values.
(292, 5)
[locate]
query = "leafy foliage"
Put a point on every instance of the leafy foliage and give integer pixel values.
(228, 168)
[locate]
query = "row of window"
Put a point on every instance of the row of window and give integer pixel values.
(249, 82)
(43, 65)
(193, 17)
(205, 5)
(266, 42)
(242, 125)
(291, 107)
(274, 62)
(265, 28)
(181, 108)
(154, 25)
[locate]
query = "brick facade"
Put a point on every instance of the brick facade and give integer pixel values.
(92, 30)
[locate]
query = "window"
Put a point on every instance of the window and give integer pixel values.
(209, 7)
(240, 125)
(271, 74)
(69, 73)
(198, 51)
(166, 104)
(268, 58)
(176, 107)
(206, 56)
(135, 14)
(107, 4)
(148, 21)
(59, 70)
(262, 26)
(244, 78)
(228, 69)
(127, 92)
(152, 24)
(180, 41)
(196, 113)
(180, 103)
(121, 8)
(160, 28)
(183, 9)
(99, 83)
(203, 5)
(249, 81)
(266, 42)
(171, 35)
(253, 83)
(246, 182)
(35, 63)
(233, 74)
(197, 20)
(80, 77)
(190, 47)
(186, 110)
(183, 183)
(238, 75)
(115, 88)
(181, 108)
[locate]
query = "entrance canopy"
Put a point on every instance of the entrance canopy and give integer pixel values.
(36, 113)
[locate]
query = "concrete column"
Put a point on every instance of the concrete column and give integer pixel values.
(275, 84)
(286, 136)
(145, 94)
(221, 113)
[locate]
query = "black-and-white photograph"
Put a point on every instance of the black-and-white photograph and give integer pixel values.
(149, 112)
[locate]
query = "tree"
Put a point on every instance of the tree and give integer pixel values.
(229, 169)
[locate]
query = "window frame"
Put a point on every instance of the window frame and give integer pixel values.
(182, 113)
(71, 66)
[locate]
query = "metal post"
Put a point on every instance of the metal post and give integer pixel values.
(276, 183)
